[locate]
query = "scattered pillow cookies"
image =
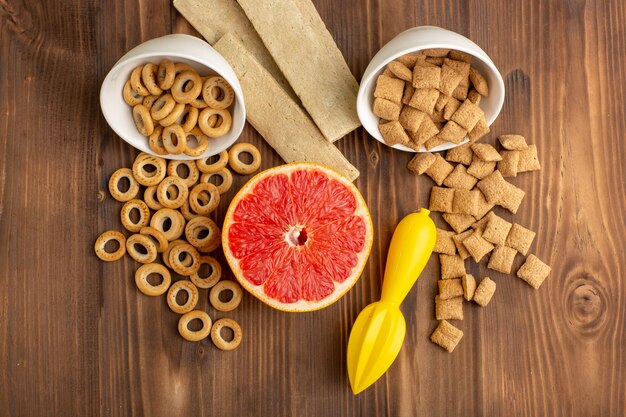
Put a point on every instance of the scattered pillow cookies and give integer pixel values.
(429, 98)
(177, 109)
(470, 183)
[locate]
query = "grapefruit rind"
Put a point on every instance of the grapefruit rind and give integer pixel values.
(340, 287)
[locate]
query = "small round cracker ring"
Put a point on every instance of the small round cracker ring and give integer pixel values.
(194, 335)
(114, 181)
(141, 248)
(166, 254)
(169, 222)
(174, 139)
(172, 192)
(192, 171)
(211, 246)
(162, 107)
(130, 96)
(149, 170)
(199, 103)
(136, 84)
(178, 258)
(197, 142)
(150, 200)
(192, 296)
(188, 118)
(144, 215)
(148, 101)
(217, 93)
(186, 211)
(180, 67)
(218, 339)
(166, 74)
(187, 86)
(142, 119)
(155, 141)
(141, 279)
(148, 76)
(106, 237)
(210, 280)
(237, 164)
(198, 204)
(220, 127)
(206, 168)
(201, 231)
(234, 300)
(159, 238)
(226, 179)
(171, 118)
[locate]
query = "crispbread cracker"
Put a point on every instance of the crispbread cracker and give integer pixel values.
(486, 152)
(439, 169)
(452, 133)
(508, 165)
(501, 259)
(467, 115)
(331, 99)
(465, 202)
(496, 230)
(441, 199)
(513, 142)
(411, 118)
(421, 162)
(484, 291)
(446, 335)
(389, 88)
(444, 243)
(477, 246)
(480, 169)
(266, 100)
(450, 309)
(534, 271)
(459, 222)
(520, 238)
(462, 154)
(480, 130)
(450, 288)
(386, 109)
(528, 160)
(452, 266)
(400, 70)
(426, 76)
(393, 133)
(459, 178)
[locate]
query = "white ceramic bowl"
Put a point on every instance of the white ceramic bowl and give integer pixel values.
(179, 48)
(417, 39)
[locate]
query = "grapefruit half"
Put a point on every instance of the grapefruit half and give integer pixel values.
(297, 236)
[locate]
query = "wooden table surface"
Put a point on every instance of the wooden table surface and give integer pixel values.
(78, 339)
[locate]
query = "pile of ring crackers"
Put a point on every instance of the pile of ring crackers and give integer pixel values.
(430, 98)
(172, 220)
(177, 109)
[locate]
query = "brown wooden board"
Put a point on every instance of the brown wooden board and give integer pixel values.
(78, 339)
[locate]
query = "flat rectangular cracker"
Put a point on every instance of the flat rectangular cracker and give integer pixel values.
(496, 230)
(462, 154)
(446, 336)
(411, 118)
(426, 76)
(465, 201)
(393, 133)
(400, 70)
(469, 286)
(528, 160)
(459, 222)
(534, 271)
(410, 59)
(439, 169)
(421, 162)
(296, 138)
(426, 131)
(483, 206)
(520, 238)
(477, 246)
(452, 266)
(459, 178)
(508, 165)
(480, 130)
(389, 88)
(480, 169)
(484, 291)
(467, 115)
(452, 133)
(214, 18)
(513, 142)
(486, 152)
(444, 243)
(386, 109)
(450, 288)
(451, 107)
(501, 259)
(424, 99)
(450, 79)
(441, 199)
(331, 98)
(450, 309)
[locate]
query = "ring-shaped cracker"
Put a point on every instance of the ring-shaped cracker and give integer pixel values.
(162, 107)
(186, 211)
(177, 223)
(238, 165)
(143, 120)
(180, 266)
(136, 83)
(188, 119)
(174, 139)
(133, 188)
(166, 253)
(166, 74)
(206, 168)
(225, 95)
(200, 139)
(180, 67)
(158, 237)
(216, 130)
(224, 306)
(194, 335)
(150, 199)
(146, 243)
(187, 86)
(219, 341)
(211, 246)
(149, 178)
(130, 96)
(171, 118)
(163, 192)
(103, 239)
(198, 204)
(148, 76)
(155, 141)
(196, 226)
(144, 215)
(148, 101)
(192, 299)
(199, 103)
(192, 176)
(141, 279)
(225, 175)
(210, 280)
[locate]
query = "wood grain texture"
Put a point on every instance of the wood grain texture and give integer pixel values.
(78, 338)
